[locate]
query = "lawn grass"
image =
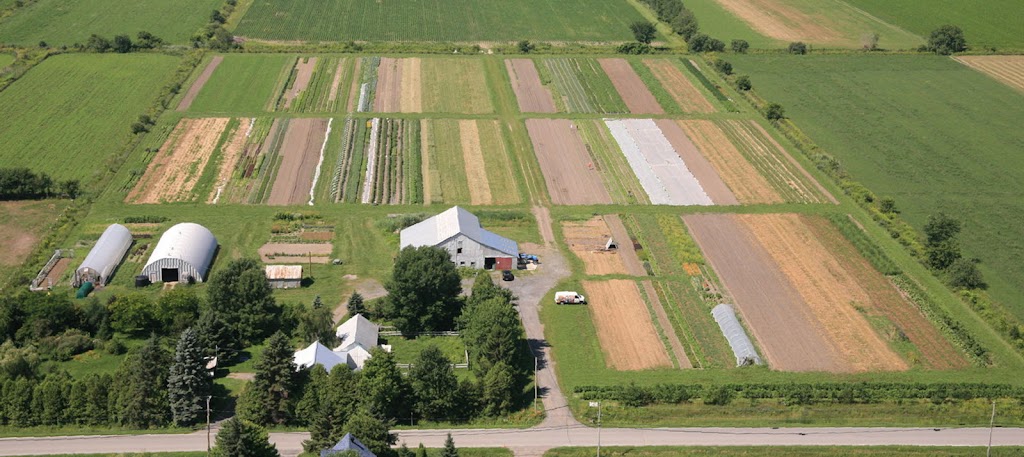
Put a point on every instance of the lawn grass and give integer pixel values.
(780, 451)
(904, 126)
(407, 350)
(67, 115)
(243, 83)
(992, 23)
(65, 23)
(436, 20)
(453, 85)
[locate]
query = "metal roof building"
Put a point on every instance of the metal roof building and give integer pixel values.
(105, 256)
(183, 253)
(470, 245)
(742, 348)
(284, 276)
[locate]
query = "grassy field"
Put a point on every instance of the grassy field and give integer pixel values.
(65, 23)
(6, 59)
(243, 84)
(926, 142)
(455, 86)
(582, 84)
(436, 20)
(779, 451)
(66, 116)
(22, 224)
(995, 23)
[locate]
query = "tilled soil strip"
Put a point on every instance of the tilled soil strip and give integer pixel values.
(303, 73)
(689, 98)
(175, 170)
(389, 86)
(772, 309)
(300, 153)
(666, 326)
(338, 73)
(625, 245)
(705, 173)
(230, 152)
(746, 184)
(531, 94)
(425, 160)
(197, 86)
(624, 328)
(630, 87)
(568, 170)
(473, 157)
(353, 93)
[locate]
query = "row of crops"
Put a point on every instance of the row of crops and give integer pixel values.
(380, 163)
(324, 91)
(583, 86)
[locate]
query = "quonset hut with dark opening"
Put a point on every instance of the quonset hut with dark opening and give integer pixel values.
(184, 253)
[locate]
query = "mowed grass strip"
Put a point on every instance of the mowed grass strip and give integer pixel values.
(996, 23)
(447, 168)
(439, 20)
(454, 85)
(71, 112)
(927, 142)
(60, 22)
(242, 84)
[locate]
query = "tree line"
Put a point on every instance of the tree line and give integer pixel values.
(23, 184)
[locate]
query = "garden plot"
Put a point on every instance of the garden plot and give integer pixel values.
(789, 179)
(379, 162)
(588, 240)
(296, 252)
(312, 85)
(531, 94)
(197, 86)
(686, 95)
(661, 171)
(743, 179)
(389, 86)
(627, 336)
(231, 152)
(364, 88)
(301, 156)
(414, 85)
(298, 81)
(252, 172)
(634, 92)
(566, 164)
(174, 172)
(1007, 69)
(583, 86)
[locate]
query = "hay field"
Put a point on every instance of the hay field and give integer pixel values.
(244, 83)
(986, 23)
(624, 328)
(1007, 69)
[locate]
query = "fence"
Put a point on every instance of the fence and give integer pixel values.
(464, 365)
(38, 283)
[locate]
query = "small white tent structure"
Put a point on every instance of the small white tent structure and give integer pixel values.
(358, 335)
(318, 354)
(183, 253)
(357, 331)
(742, 348)
(105, 256)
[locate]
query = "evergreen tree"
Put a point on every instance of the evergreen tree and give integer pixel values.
(78, 402)
(327, 404)
(141, 389)
(215, 336)
(267, 399)
(188, 384)
(421, 451)
(242, 295)
(97, 411)
(493, 333)
(372, 432)
(356, 305)
(449, 448)
(238, 438)
(499, 389)
(434, 384)
(50, 399)
(18, 398)
(385, 392)
(317, 324)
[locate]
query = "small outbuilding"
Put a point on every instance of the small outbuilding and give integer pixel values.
(184, 253)
(348, 445)
(459, 232)
(104, 257)
(358, 335)
(284, 276)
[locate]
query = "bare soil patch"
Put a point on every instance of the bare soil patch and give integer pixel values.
(630, 87)
(666, 326)
(53, 277)
(389, 86)
(296, 252)
(473, 157)
(303, 73)
(774, 312)
(747, 185)
(587, 240)
(689, 98)
(412, 80)
(175, 170)
(300, 154)
(230, 153)
(568, 168)
(1006, 69)
(624, 329)
(775, 19)
(705, 173)
(531, 94)
(197, 86)
(338, 74)
(828, 288)
(625, 245)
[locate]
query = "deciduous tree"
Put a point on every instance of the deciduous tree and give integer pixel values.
(946, 40)
(435, 385)
(423, 291)
(643, 31)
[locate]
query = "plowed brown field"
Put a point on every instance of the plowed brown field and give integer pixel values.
(300, 154)
(630, 87)
(389, 86)
(174, 171)
(531, 94)
(701, 168)
(587, 240)
(782, 22)
(624, 329)
(568, 168)
(689, 98)
(1007, 69)
(745, 182)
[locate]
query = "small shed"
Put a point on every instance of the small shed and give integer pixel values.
(459, 232)
(740, 343)
(105, 256)
(184, 253)
(284, 276)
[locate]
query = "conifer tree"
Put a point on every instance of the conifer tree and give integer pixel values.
(267, 399)
(238, 438)
(188, 384)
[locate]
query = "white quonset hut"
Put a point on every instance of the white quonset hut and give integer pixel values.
(105, 256)
(459, 232)
(742, 348)
(184, 253)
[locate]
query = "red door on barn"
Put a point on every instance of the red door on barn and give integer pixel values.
(503, 263)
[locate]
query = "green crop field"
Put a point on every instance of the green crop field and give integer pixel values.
(59, 22)
(997, 23)
(437, 20)
(244, 84)
(70, 113)
(5, 60)
(582, 84)
(906, 127)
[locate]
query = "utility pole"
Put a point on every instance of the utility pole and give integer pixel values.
(598, 429)
(991, 426)
(208, 424)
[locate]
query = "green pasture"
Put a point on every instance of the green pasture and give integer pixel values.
(781, 451)
(6, 59)
(989, 23)
(244, 83)
(437, 20)
(69, 114)
(908, 127)
(60, 22)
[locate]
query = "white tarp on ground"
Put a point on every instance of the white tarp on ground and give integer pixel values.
(657, 165)
(742, 348)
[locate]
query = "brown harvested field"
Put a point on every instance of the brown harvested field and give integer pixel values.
(389, 86)
(628, 339)
(174, 171)
(689, 98)
(231, 151)
(774, 19)
(531, 94)
(336, 83)
(1008, 70)
(666, 325)
(296, 252)
(412, 78)
(701, 168)
(300, 153)
(827, 287)
(747, 185)
(587, 241)
(764, 147)
(473, 157)
(630, 87)
(625, 248)
(568, 168)
(303, 73)
(197, 86)
(22, 223)
(776, 315)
